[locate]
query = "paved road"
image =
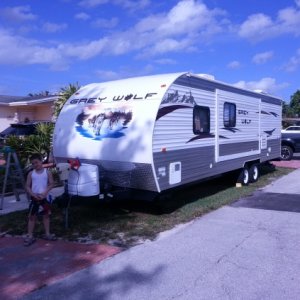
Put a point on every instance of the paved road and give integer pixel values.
(236, 252)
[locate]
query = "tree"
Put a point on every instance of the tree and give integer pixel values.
(40, 142)
(64, 94)
(287, 111)
(295, 103)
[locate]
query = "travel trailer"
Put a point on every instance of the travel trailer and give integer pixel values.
(155, 133)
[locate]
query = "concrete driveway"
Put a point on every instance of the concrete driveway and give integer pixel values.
(249, 250)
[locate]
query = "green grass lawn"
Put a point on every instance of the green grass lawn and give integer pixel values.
(126, 223)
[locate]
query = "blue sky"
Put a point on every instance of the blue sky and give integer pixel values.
(45, 45)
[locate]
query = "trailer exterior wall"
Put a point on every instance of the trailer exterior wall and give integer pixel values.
(111, 124)
(256, 136)
(140, 131)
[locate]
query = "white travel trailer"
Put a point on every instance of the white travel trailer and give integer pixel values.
(155, 133)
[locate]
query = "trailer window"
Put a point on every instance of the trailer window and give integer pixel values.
(201, 119)
(229, 114)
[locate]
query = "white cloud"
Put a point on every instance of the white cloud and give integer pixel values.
(53, 27)
(297, 2)
(105, 23)
(82, 16)
(106, 75)
(187, 24)
(92, 3)
(186, 17)
(127, 4)
(83, 51)
(267, 84)
(234, 65)
(21, 51)
(133, 5)
(170, 45)
(260, 26)
(165, 61)
(180, 29)
(18, 13)
(263, 57)
(293, 64)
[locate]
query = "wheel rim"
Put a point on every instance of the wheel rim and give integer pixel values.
(255, 173)
(246, 176)
(285, 153)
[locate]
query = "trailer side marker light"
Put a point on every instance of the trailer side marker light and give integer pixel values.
(74, 163)
(164, 149)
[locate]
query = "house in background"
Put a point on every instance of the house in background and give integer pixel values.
(290, 122)
(14, 109)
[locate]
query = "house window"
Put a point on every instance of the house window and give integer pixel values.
(201, 120)
(229, 114)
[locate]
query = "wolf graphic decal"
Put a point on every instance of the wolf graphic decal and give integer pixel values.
(107, 123)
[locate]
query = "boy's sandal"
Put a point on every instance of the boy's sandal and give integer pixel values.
(29, 241)
(50, 237)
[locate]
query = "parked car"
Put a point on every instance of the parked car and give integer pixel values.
(291, 129)
(21, 129)
(290, 142)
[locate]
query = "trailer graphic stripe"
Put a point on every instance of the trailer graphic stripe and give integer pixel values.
(270, 132)
(231, 129)
(205, 136)
(168, 109)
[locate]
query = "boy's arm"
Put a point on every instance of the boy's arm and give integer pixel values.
(28, 185)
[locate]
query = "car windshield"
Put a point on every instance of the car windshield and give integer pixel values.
(18, 130)
(293, 128)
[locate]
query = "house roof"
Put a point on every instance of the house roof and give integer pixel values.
(21, 100)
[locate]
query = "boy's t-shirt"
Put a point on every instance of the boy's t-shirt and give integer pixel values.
(39, 181)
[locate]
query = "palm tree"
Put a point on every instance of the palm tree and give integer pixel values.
(64, 94)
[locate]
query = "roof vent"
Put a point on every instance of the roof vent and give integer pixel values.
(260, 91)
(207, 76)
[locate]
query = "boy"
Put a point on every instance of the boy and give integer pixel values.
(39, 183)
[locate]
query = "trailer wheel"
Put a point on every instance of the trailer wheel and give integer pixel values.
(254, 173)
(286, 152)
(244, 176)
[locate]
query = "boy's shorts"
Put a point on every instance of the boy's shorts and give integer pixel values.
(41, 207)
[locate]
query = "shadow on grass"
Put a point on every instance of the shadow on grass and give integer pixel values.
(124, 222)
(171, 201)
(165, 203)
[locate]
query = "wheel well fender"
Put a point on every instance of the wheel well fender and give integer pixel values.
(287, 143)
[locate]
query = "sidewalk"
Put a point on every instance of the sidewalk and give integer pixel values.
(289, 184)
(10, 204)
(25, 269)
(293, 164)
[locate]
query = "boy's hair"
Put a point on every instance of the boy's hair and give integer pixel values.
(36, 156)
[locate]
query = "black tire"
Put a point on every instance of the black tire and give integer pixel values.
(254, 173)
(286, 152)
(244, 176)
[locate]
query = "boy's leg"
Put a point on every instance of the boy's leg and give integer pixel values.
(33, 210)
(31, 224)
(46, 221)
